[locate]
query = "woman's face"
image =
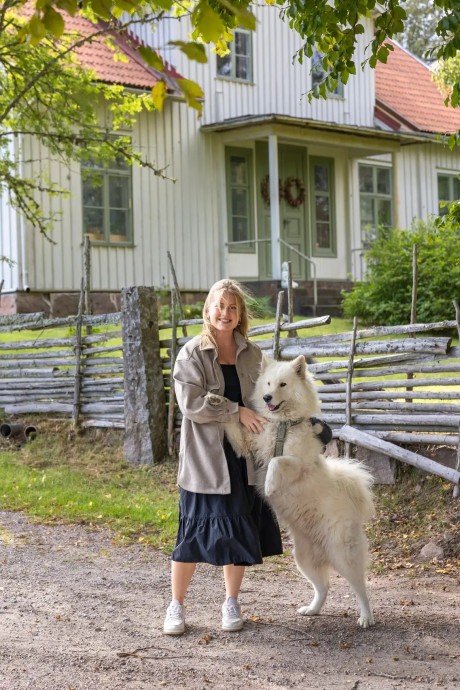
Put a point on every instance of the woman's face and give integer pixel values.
(224, 313)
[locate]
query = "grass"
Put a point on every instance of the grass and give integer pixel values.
(85, 479)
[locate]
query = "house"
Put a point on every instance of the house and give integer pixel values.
(264, 176)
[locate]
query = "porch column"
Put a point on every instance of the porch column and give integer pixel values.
(396, 181)
(274, 206)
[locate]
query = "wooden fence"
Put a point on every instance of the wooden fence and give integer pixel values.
(78, 375)
(400, 384)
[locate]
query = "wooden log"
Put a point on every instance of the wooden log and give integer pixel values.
(432, 439)
(102, 424)
(172, 393)
(422, 408)
(39, 364)
(78, 359)
(57, 342)
(390, 395)
(436, 422)
(422, 345)
(11, 320)
(348, 412)
(41, 324)
(276, 335)
(359, 438)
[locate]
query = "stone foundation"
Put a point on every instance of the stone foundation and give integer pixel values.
(56, 304)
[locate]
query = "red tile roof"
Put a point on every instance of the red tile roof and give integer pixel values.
(131, 71)
(96, 55)
(407, 97)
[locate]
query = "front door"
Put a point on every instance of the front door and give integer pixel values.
(293, 209)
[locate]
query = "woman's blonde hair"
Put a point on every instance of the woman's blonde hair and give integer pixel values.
(217, 290)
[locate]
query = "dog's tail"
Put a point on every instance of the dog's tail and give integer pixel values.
(356, 482)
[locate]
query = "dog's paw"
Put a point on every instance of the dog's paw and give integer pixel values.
(272, 478)
(366, 620)
(214, 399)
(308, 610)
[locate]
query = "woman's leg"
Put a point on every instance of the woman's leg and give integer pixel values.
(233, 576)
(181, 575)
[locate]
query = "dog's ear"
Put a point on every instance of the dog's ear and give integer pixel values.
(300, 366)
(264, 362)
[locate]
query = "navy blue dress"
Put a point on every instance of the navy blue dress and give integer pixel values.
(223, 529)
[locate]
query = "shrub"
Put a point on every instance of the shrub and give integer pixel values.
(384, 296)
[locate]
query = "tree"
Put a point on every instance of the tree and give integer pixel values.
(44, 93)
(419, 35)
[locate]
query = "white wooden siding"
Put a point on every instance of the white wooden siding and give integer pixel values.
(417, 177)
(279, 85)
(10, 240)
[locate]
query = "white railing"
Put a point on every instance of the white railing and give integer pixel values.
(292, 249)
(313, 267)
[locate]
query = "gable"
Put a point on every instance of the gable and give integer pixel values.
(408, 99)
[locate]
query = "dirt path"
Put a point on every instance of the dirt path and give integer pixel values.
(77, 612)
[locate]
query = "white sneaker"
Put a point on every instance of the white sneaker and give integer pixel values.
(231, 615)
(174, 620)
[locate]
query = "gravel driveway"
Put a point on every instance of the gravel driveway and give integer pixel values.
(78, 612)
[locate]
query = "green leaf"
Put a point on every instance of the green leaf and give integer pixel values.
(102, 8)
(152, 58)
(208, 23)
(193, 50)
(193, 93)
(37, 30)
(54, 21)
(159, 93)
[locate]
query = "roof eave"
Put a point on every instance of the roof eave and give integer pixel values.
(273, 119)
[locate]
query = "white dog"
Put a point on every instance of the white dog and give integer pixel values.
(322, 502)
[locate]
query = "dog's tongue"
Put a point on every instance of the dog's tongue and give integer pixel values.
(271, 407)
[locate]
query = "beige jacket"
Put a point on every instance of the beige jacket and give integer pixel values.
(202, 462)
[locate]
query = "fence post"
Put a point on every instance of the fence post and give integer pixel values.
(145, 404)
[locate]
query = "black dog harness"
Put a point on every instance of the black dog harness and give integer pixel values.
(325, 435)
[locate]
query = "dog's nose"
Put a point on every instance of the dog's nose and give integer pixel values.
(267, 398)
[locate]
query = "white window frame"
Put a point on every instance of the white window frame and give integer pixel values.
(104, 235)
(452, 179)
(232, 57)
(318, 68)
(375, 196)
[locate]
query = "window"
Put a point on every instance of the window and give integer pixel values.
(319, 73)
(107, 201)
(375, 199)
(237, 64)
(322, 206)
(448, 191)
(240, 200)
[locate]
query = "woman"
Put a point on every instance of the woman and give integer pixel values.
(222, 520)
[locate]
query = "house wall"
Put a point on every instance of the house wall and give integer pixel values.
(280, 83)
(415, 171)
(178, 214)
(10, 246)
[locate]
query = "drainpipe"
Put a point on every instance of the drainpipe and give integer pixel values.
(274, 206)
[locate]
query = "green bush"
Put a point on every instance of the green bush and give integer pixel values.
(260, 307)
(384, 297)
(190, 311)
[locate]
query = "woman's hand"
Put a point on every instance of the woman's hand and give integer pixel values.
(251, 421)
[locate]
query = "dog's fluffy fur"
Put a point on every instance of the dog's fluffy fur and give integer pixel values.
(322, 502)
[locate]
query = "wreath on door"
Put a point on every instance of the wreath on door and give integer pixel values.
(294, 191)
(265, 189)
